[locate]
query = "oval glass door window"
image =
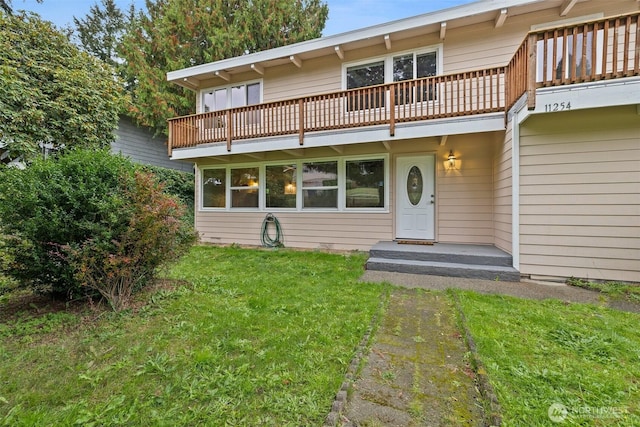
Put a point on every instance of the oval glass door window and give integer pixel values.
(414, 185)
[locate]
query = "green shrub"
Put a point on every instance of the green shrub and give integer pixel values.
(176, 183)
(6, 283)
(86, 223)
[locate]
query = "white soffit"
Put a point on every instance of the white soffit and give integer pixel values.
(466, 14)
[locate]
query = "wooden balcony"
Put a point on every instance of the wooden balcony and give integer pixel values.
(591, 51)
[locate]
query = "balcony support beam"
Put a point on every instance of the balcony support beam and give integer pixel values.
(229, 130)
(531, 71)
(301, 121)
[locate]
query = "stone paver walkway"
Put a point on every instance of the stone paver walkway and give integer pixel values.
(417, 372)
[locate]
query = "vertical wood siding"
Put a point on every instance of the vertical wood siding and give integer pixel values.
(580, 194)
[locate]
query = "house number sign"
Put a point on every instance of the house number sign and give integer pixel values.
(557, 106)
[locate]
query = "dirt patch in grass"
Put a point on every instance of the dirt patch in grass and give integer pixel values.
(25, 304)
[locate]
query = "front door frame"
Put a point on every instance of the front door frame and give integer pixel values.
(427, 202)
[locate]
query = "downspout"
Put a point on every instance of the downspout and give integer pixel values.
(520, 114)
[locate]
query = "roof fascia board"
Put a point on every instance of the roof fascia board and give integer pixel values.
(330, 42)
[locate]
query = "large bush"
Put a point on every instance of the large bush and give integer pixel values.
(177, 183)
(89, 222)
(51, 92)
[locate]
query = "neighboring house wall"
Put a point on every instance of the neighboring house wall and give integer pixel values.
(141, 146)
(580, 194)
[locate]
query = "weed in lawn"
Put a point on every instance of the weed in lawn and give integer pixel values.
(539, 353)
(614, 290)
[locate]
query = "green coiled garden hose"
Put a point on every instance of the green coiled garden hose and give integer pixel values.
(265, 238)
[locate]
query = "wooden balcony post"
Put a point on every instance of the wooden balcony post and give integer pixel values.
(229, 130)
(169, 139)
(531, 71)
(301, 121)
(392, 110)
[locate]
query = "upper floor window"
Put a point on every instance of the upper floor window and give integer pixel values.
(232, 96)
(414, 66)
(395, 68)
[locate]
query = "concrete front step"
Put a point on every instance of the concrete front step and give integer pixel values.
(443, 253)
(474, 271)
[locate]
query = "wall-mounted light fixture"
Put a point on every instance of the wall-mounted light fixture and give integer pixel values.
(290, 188)
(452, 159)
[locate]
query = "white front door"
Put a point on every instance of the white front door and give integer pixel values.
(415, 197)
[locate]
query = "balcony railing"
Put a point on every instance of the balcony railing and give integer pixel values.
(597, 50)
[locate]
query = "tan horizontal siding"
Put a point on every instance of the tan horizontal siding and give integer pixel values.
(313, 230)
(464, 202)
(580, 195)
(561, 231)
(503, 191)
(317, 76)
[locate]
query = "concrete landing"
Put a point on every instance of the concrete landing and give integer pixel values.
(443, 259)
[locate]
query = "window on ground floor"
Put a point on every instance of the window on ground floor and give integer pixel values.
(365, 184)
(346, 183)
(281, 186)
(320, 184)
(214, 188)
(245, 187)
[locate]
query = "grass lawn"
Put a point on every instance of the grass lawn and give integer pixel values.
(538, 353)
(253, 338)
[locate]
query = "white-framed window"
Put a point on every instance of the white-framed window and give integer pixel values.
(231, 96)
(365, 183)
(348, 183)
(280, 183)
(214, 188)
(244, 187)
(399, 66)
(320, 184)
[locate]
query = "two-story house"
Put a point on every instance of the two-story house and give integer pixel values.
(504, 126)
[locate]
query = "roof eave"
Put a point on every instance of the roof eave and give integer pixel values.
(380, 30)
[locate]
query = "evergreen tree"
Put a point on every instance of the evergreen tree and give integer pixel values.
(176, 34)
(100, 32)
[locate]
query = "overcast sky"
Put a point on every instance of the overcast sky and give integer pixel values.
(344, 15)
